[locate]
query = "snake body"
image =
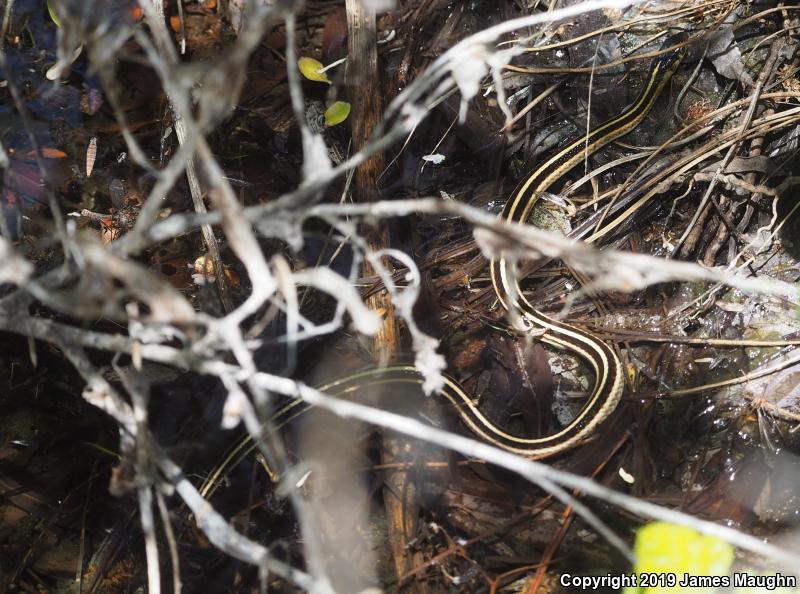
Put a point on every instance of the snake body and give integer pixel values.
(608, 371)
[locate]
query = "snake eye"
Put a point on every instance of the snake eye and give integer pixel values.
(523, 324)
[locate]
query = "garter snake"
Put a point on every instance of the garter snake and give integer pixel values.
(605, 364)
(609, 379)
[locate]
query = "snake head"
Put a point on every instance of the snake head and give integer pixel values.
(671, 61)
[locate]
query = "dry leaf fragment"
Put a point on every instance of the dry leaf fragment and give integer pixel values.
(204, 271)
(52, 153)
(334, 32)
(436, 159)
(91, 154)
(47, 153)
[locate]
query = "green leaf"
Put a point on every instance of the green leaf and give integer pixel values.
(668, 549)
(310, 68)
(337, 113)
(53, 15)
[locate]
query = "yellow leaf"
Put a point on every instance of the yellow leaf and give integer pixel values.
(53, 15)
(671, 551)
(337, 113)
(310, 68)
